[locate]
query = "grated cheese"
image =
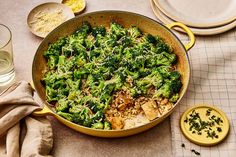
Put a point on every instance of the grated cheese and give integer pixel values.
(44, 22)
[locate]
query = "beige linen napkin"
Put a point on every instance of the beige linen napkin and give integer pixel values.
(21, 134)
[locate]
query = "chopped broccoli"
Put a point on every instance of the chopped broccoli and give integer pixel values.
(171, 57)
(62, 105)
(175, 86)
(164, 91)
(87, 68)
(174, 75)
(169, 88)
(134, 32)
(117, 29)
(98, 125)
(154, 79)
(165, 71)
(67, 116)
(84, 29)
(174, 98)
(107, 126)
(99, 30)
(151, 39)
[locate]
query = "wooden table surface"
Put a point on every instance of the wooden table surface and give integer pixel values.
(68, 143)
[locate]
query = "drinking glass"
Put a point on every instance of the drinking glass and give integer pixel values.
(7, 72)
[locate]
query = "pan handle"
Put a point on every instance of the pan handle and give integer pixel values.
(187, 30)
(43, 112)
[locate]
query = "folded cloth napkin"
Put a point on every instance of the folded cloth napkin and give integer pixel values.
(21, 134)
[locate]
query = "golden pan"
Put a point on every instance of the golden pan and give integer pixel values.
(126, 19)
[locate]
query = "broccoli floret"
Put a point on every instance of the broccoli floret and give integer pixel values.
(128, 53)
(134, 75)
(98, 125)
(117, 29)
(134, 91)
(105, 98)
(67, 116)
(61, 60)
(145, 47)
(90, 66)
(109, 87)
(157, 60)
(134, 32)
(126, 41)
(55, 48)
(49, 78)
(82, 117)
(174, 98)
(72, 95)
(162, 46)
(138, 63)
(93, 104)
(171, 56)
(175, 75)
(111, 40)
(52, 61)
(84, 29)
(89, 42)
(80, 61)
(99, 30)
(117, 80)
(154, 79)
(75, 109)
(151, 39)
(160, 59)
(81, 73)
(98, 117)
(165, 71)
(143, 72)
(111, 61)
(74, 40)
(175, 86)
(97, 87)
(95, 53)
(107, 126)
(169, 88)
(51, 94)
(164, 91)
(59, 84)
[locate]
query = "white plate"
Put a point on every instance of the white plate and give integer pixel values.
(199, 13)
(196, 31)
(64, 13)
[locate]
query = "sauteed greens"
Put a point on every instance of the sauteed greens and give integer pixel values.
(86, 69)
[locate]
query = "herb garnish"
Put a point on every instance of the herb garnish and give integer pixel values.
(196, 152)
(197, 125)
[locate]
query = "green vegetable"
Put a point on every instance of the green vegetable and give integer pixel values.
(99, 30)
(86, 68)
(117, 29)
(98, 125)
(107, 126)
(134, 32)
(67, 116)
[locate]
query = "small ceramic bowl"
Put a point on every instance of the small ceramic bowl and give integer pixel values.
(65, 12)
(77, 6)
